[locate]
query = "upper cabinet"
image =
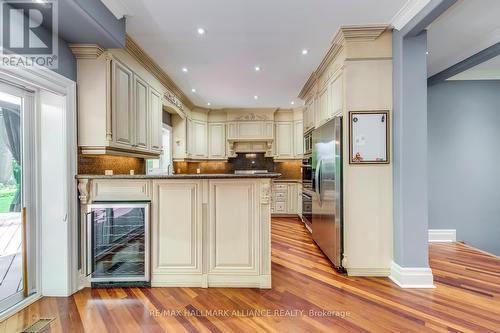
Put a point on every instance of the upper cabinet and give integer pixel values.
(197, 132)
(298, 139)
(284, 140)
(250, 130)
(155, 112)
(216, 141)
(119, 107)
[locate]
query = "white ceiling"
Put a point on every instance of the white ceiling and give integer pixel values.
(488, 70)
(465, 29)
(240, 35)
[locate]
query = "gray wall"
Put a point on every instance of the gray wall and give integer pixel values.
(464, 161)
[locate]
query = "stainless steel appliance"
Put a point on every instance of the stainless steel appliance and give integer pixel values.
(118, 243)
(327, 219)
(308, 143)
(307, 209)
(307, 173)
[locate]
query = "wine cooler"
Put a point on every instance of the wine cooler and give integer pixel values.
(118, 243)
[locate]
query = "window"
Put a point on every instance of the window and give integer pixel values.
(163, 165)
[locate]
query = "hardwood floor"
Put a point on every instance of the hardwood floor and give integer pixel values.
(467, 299)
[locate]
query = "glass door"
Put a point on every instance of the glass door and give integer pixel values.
(16, 230)
(118, 242)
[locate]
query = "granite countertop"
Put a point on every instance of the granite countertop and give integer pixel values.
(184, 176)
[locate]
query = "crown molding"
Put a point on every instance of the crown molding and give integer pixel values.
(348, 33)
(361, 33)
(144, 59)
(86, 51)
(307, 86)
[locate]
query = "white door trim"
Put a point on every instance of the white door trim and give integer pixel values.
(36, 79)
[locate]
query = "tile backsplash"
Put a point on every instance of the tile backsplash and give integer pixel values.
(96, 165)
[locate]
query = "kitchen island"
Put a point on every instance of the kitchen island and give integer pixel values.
(206, 230)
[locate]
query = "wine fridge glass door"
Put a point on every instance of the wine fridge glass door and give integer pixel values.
(119, 242)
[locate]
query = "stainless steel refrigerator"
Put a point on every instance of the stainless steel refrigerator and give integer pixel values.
(327, 219)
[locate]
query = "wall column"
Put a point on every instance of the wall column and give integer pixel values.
(410, 267)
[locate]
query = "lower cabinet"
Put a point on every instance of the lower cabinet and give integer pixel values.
(286, 199)
(177, 237)
(211, 233)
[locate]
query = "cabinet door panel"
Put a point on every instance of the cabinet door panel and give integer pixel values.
(298, 142)
(284, 139)
(234, 228)
(122, 110)
(141, 113)
(155, 112)
(199, 137)
(216, 140)
(177, 227)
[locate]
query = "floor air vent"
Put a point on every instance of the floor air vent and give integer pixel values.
(38, 326)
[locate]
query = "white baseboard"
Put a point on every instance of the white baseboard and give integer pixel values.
(442, 235)
(411, 277)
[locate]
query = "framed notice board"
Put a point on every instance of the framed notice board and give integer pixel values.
(369, 137)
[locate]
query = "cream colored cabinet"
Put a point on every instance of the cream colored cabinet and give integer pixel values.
(155, 112)
(284, 140)
(234, 228)
(286, 199)
(298, 138)
(122, 108)
(141, 114)
(197, 135)
(216, 141)
(177, 229)
(308, 115)
(337, 93)
(118, 110)
(250, 130)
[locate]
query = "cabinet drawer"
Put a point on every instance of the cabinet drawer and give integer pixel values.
(280, 196)
(278, 187)
(121, 190)
(280, 207)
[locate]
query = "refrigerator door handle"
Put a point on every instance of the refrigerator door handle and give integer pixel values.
(318, 180)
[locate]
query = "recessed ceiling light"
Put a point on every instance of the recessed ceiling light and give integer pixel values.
(305, 51)
(256, 97)
(193, 90)
(184, 69)
(257, 68)
(201, 31)
(208, 104)
(293, 102)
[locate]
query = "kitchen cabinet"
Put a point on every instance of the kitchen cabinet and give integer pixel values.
(337, 93)
(286, 199)
(197, 139)
(216, 141)
(155, 112)
(177, 228)
(122, 109)
(119, 107)
(308, 115)
(284, 140)
(250, 130)
(142, 126)
(298, 138)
